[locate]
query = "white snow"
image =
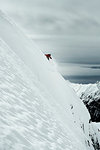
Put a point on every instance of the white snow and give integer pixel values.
(38, 109)
(84, 88)
(92, 90)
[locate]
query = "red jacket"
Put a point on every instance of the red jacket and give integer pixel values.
(48, 56)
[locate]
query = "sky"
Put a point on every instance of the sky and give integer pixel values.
(68, 29)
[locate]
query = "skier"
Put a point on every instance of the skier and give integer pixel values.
(48, 56)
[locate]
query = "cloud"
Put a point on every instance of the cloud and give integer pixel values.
(55, 16)
(69, 29)
(69, 69)
(93, 67)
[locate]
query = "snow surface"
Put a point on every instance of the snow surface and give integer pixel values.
(38, 109)
(85, 88)
(87, 92)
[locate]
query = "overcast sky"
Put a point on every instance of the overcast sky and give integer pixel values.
(69, 29)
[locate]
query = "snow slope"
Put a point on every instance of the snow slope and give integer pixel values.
(85, 88)
(38, 110)
(90, 95)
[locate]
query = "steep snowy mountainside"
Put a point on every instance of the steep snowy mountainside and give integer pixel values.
(95, 135)
(26, 120)
(38, 109)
